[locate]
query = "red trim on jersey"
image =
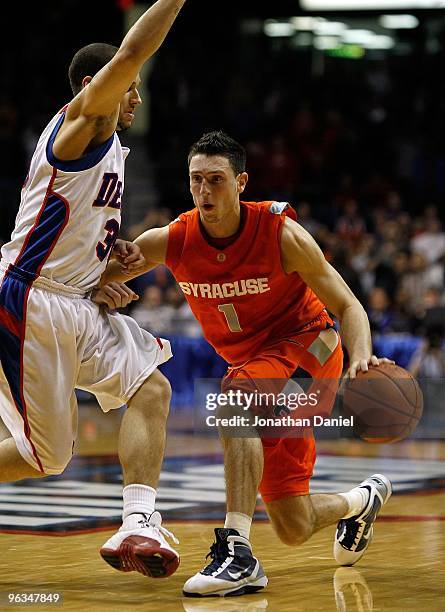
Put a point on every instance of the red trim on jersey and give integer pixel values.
(160, 343)
(62, 227)
(42, 208)
(27, 428)
(9, 321)
(176, 237)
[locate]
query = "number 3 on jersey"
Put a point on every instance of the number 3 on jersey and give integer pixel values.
(232, 320)
(103, 249)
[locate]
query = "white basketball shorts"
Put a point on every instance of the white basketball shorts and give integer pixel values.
(53, 340)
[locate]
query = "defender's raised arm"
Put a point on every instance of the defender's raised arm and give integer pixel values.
(141, 42)
(94, 113)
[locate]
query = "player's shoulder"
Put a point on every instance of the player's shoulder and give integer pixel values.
(184, 218)
(273, 207)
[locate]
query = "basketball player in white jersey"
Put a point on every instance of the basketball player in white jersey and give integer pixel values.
(54, 339)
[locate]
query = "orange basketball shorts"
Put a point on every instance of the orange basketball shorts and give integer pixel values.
(288, 461)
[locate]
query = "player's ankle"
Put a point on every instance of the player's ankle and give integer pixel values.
(356, 499)
(138, 499)
(239, 521)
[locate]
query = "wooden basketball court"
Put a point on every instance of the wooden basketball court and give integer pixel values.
(51, 530)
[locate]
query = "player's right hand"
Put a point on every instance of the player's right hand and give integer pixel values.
(114, 295)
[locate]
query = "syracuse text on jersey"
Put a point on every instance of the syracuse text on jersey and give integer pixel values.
(237, 288)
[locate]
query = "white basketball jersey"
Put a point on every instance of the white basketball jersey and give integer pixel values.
(70, 212)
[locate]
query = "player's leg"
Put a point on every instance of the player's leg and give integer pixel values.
(36, 420)
(143, 431)
(296, 517)
(12, 465)
(233, 569)
(124, 371)
(243, 469)
(140, 544)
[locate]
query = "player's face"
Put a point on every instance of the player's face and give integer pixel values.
(215, 187)
(128, 105)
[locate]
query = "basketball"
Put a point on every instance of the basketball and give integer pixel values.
(386, 403)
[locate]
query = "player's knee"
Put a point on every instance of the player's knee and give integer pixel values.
(57, 463)
(294, 532)
(154, 395)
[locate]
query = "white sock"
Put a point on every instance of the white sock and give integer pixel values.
(239, 521)
(356, 499)
(138, 499)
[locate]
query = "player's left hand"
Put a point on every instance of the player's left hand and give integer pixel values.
(363, 365)
(113, 295)
(129, 255)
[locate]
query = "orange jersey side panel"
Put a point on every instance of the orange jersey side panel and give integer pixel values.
(241, 295)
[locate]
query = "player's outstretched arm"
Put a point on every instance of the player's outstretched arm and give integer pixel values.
(300, 253)
(95, 108)
(144, 38)
(153, 246)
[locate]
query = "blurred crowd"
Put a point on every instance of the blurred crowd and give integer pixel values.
(357, 147)
(393, 262)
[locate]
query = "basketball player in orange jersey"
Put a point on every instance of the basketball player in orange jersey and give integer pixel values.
(260, 287)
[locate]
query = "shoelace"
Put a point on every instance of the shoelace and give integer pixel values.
(163, 530)
(218, 551)
(168, 533)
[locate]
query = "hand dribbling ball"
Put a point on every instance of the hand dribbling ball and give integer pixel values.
(386, 403)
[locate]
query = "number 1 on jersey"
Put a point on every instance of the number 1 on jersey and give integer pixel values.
(232, 320)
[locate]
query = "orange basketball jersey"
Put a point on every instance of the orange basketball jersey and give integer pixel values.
(241, 295)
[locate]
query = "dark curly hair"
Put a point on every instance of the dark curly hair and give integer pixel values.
(219, 143)
(88, 61)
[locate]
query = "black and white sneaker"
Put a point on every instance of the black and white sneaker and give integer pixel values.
(232, 571)
(354, 534)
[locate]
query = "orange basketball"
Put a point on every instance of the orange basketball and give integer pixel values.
(385, 402)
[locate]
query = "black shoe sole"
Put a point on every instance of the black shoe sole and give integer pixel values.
(244, 590)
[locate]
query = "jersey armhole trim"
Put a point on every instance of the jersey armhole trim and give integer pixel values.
(87, 161)
(282, 221)
(175, 244)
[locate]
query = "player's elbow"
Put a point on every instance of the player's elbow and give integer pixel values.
(350, 308)
(129, 58)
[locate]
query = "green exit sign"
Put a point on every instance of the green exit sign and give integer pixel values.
(347, 51)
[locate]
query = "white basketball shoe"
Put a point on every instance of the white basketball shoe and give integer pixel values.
(354, 534)
(140, 546)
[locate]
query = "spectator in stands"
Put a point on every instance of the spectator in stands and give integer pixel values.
(431, 242)
(432, 313)
(306, 219)
(351, 226)
(419, 279)
(154, 218)
(403, 321)
(183, 323)
(152, 314)
(429, 361)
(282, 171)
(362, 260)
(379, 311)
